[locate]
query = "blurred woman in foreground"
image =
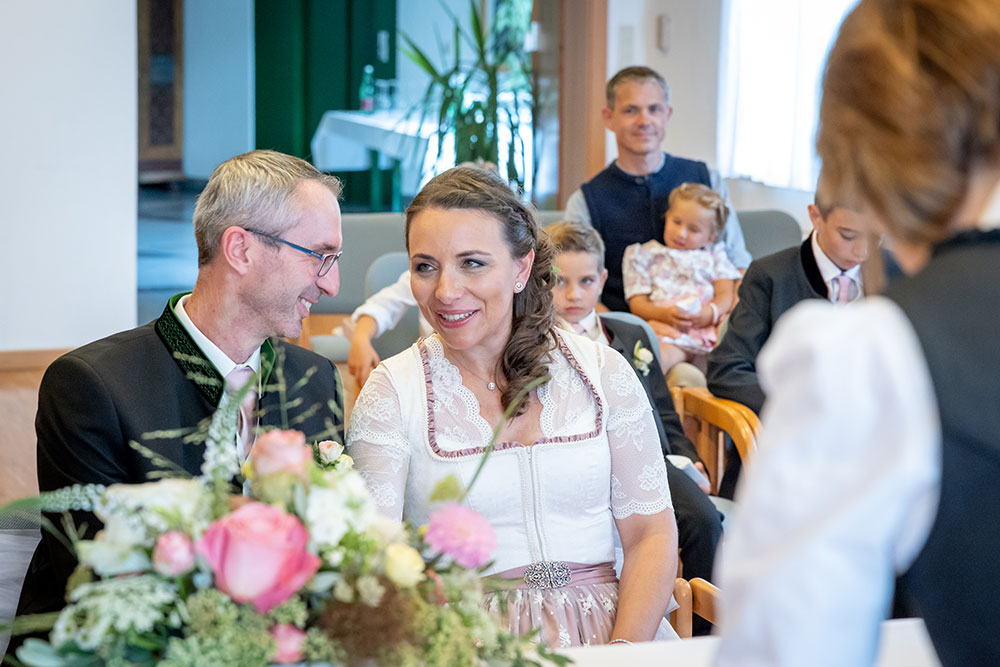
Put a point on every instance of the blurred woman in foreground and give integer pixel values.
(881, 447)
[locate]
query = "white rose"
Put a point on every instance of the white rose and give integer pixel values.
(358, 500)
(330, 451)
(115, 550)
(180, 498)
(403, 565)
(325, 516)
(644, 356)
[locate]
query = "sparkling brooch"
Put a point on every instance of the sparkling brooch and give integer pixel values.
(547, 574)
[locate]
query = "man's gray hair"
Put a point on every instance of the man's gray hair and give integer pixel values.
(637, 73)
(253, 191)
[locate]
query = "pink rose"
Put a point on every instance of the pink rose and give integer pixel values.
(281, 451)
(173, 554)
(463, 534)
(258, 554)
(290, 640)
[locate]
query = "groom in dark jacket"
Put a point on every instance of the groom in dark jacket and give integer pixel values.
(268, 231)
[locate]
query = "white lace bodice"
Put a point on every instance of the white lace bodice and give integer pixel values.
(415, 422)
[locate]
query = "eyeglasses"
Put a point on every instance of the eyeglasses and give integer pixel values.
(326, 262)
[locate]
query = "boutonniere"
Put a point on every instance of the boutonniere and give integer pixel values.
(641, 358)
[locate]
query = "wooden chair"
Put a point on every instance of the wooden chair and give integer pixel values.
(694, 597)
(714, 418)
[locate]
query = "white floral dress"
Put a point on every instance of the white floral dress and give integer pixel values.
(670, 275)
(599, 459)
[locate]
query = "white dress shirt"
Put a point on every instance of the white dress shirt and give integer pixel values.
(592, 327)
(217, 357)
(830, 271)
(732, 233)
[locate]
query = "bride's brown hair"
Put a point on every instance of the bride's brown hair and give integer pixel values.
(531, 336)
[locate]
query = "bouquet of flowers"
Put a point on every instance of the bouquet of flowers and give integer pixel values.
(302, 569)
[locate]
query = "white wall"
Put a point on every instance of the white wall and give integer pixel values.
(688, 56)
(429, 26)
(68, 140)
(218, 83)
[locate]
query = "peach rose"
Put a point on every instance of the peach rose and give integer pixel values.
(258, 554)
(281, 451)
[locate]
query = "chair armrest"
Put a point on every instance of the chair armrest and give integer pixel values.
(717, 416)
(680, 618)
(704, 598)
(732, 417)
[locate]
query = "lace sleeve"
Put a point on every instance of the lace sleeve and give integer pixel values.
(638, 472)
(376, 440)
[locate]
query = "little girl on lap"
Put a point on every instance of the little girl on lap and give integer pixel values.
(686, 287)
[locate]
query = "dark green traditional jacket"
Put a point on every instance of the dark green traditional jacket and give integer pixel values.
(96, 400)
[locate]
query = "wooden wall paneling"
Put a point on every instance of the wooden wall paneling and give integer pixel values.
(583, 58)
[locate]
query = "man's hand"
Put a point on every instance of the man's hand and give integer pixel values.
(362, 359)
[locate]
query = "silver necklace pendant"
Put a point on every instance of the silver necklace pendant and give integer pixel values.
(491, 386)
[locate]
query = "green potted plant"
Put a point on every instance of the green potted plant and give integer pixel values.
(470, 101)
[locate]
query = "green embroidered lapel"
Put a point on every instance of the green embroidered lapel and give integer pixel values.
(266, 362)
(187, 355)
(193, 362)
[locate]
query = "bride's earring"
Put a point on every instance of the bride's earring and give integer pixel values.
(518, 286)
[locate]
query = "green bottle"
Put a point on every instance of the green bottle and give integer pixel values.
(366, 95)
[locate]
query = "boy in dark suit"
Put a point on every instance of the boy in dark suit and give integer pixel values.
(580, 279)
(826, 266)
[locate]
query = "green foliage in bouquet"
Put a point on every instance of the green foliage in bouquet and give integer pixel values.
(303, 569)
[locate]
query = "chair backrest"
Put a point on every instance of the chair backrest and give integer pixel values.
(766, 232)
(546, 218)
(697, 596)
(651, 338)
(715, 418)
(366, 236)
(384, 271)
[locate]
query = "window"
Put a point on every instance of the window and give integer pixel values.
(772, 60)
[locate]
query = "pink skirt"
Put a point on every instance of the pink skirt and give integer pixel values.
(579, 614)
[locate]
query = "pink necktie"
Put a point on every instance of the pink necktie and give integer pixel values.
(237, 378)
(843, 288)
(579, 328)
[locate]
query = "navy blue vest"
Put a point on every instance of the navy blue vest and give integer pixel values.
(953, 304)
(627, 209)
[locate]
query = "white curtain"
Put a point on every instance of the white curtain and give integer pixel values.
(773, 53)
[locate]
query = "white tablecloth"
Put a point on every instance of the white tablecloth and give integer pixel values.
(904, 644)
(343, 139)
